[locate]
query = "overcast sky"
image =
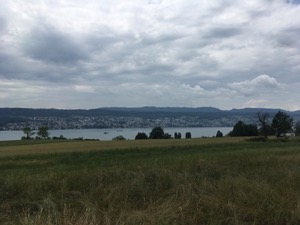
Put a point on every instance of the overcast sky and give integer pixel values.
(188, 53)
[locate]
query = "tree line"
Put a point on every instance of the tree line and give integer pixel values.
(280, 125)
(158, 133)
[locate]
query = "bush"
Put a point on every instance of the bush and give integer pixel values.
(119, 138)
(140, 136)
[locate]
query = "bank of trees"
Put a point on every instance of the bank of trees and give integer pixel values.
(279, 125)
(159, 133)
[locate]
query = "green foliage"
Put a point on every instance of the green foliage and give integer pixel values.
(43, 132)
(119, 138)
(297, 129)
(157, 133)
(282, 123)
(28, 133)
(219, 134)
(61, 137)
(167, 136)
(141, 135)
(241, 129)
(188, 135)
(177, 135)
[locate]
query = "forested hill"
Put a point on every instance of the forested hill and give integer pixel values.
(15, 118)
(140, 112)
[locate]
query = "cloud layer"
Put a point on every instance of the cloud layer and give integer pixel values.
(227, 54)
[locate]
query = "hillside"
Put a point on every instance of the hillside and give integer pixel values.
(122, 117)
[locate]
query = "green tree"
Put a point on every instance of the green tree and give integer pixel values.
(188, 135)
(141, 136)
(166, 136)
(28, 133)
(241, 129)
(219, 134)
(157, 133)
(43, 132)
(297, 129)
(177, 135)
(282, 123)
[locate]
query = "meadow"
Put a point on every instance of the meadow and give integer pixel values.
(198, 181)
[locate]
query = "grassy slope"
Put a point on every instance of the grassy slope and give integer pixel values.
(211, 181)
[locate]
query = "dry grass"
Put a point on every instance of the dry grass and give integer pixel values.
(21, 148)
(205, 181)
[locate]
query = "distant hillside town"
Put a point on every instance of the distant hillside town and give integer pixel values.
(144, 117)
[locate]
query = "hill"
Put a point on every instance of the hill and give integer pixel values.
(125, 117)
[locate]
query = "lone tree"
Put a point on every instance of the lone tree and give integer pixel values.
(43, 132)
(157, 133)
(265, 128)
(28, 133)
(282, 123)
(219, 134)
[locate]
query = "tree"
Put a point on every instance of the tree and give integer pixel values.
(177, 135)
(265, 128)
(28, 133)
(141, 136)
(43, 132)
(297, 129)
(219, 134)
(188, 135)
(241, 129)
(166, 136)
(282, 123)
(156, 133)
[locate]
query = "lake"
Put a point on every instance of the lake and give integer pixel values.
(128, 133)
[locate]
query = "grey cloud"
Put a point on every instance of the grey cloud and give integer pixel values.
(288, 37)
(172, 53)
(50, 45)
(296, 2)
(223, 32)
(3, 24)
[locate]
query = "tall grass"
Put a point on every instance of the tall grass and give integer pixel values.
(232, 183)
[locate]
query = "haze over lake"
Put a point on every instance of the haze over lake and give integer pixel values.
(128, 133)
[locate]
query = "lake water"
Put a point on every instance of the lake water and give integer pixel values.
(128, 133)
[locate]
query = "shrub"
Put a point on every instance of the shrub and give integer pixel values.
(119, 138)
(141, 135)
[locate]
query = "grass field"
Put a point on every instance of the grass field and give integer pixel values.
(196, 181)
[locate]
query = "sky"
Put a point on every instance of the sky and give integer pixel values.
(88, 54)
